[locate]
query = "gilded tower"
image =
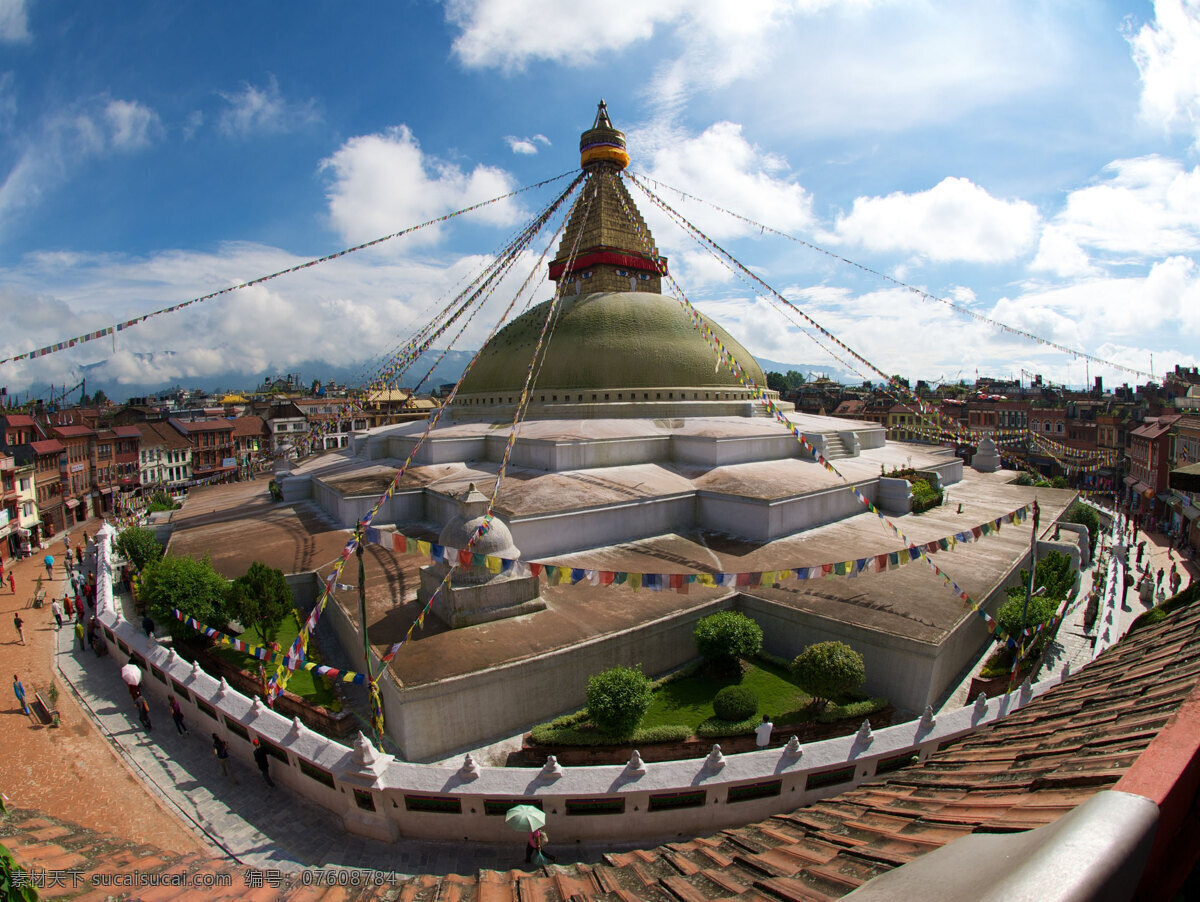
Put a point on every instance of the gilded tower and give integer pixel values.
(614, 251)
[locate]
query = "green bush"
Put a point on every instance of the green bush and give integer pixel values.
(583, 735)
(854, 709)
(924, 495)
(827, 670)
(139, 546)
(1041, 609)
(1085, 515)
(735, 703)
(1059, 482)
(715, 727)
(192, 586)
(665, 733)
(617, 699)
(725, 638)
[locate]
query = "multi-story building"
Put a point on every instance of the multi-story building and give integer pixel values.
(28, 520)
(1150, 455)
(164, 458)
(75, 470)
(211, 444)
(9, 519)
(46, 456)
(250, 442)
(287, 425)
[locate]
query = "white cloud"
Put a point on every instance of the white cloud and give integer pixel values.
(14, 21)
(525, 145)
(1060, 254)
(382, 183)
(507, 34)
(65, 138)
(954, 220)
(130, 124)
(1167, 53)
(254, 110)
(722, 167)
(1147, 206)
(343, 311)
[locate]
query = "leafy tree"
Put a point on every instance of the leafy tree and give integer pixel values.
(1085, 515)
(617, 699)
(776, 382)
(261, 598)
(725, 638)
(828, 670)
(794, 379)
(1041, 609)
(192, 586)
(99, 399)
(139, 546)
(161, 501)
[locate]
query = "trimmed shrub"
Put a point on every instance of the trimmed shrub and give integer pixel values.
(617, 699)
(857, 710)
(715, 727)
(827, 670)
(547, 734)
(724, 638)
(735, 703)
(924, 495)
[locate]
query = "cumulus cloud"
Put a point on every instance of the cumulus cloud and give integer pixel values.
(343, 311)
(65, 138)
(954, 220)
(1147, 206)
(384, 182)
(1167, 53)
(525, 145)
(14, 21)
(721, 166)
(263, 110)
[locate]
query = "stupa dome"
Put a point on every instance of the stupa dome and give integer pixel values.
(608, 342)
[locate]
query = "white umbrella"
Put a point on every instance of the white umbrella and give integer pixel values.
(132, 675)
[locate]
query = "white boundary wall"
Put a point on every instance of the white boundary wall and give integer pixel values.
(375, 795)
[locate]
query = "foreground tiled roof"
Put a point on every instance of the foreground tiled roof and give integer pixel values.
(1021, 773)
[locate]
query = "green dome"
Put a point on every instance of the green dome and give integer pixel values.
(630, 340)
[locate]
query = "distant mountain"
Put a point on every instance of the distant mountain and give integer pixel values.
(810, 371)
(447, 370)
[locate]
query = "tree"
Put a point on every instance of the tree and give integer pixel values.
(828, 670)
(617, 699)
(261, 598)
(776, 382)
(1085, 515)
(99, 399)
(794, 379)
(1041, 609)
(725, 638)
(192, 586)
(139, 546)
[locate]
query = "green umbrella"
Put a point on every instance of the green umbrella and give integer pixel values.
(525, 818)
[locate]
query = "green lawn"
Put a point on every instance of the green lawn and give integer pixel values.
(303, 682)
(688, 700)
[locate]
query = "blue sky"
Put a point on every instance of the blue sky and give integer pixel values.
(1035, 162)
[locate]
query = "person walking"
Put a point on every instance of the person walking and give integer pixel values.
(1175, 579)
(762, 733)
(148, 626)
(79, 632)
(221, 750)
(19, 623)
(56, 610)
(263, 760)
(536, 845)
(12, 583)
(143, 710)
(177, 714)
(48, 560)
(1158, 579)
(19, 692)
